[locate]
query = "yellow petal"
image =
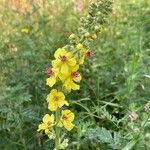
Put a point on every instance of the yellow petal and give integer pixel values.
(69, 55)
(52, 106)
(56, 63)
(53, 92)
(51, 95)
(51, 81)
(64, 68)
(68, 125)
(74, 68)
(61, 95)
(62, 77)
(75, 86)
(46, 118)
(71, 62)
(66, 103)
(68, 114)
(42, 126)
(59, 51)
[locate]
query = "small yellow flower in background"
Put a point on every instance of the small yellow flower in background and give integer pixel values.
(72, 36)
(25, 30)
(63, 60)
(56, 100)
(67, 118)
(52, 72)
(68, 80)
(48, 122)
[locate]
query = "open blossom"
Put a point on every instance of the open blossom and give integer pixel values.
(69, 80)
(56, 100)
(63, 60)
(52, 72)
(67, 118)
(48, 122)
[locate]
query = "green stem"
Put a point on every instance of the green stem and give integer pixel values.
(57, 130)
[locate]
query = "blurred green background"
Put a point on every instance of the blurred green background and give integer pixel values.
(116, 80)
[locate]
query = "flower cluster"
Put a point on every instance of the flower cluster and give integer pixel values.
(64, 75)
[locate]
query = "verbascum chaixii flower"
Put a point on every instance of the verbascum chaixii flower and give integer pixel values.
(63, 60)
(48, 122)
(56, 99)
(52, 72)
(80, 46)
(69, 80)
(67, 118)
(25, 30)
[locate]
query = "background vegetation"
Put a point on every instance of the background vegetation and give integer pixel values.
(110, 107)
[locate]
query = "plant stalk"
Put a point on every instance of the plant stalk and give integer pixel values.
(57, 140)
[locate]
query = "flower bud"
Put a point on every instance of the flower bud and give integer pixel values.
(147, 107)
(136, 130)
(94, 36)
(72, 36)
(132, 116)
(49, 71)
(87, 34)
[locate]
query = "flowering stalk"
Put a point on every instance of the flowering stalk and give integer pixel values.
(65, 72)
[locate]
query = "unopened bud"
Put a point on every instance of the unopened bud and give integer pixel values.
(94, 36)
(147, 107)
(133, 116)
(72, 36)
(87, 34)
(49, 71)
(89, 53)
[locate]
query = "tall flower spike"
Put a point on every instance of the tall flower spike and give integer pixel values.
(56, 100)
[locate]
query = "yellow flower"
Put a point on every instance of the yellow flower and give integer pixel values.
(63, 61)
(70, 79)
(25, 30)
(56, 100)
(67, 117)
(52, 72)
(48, 122)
